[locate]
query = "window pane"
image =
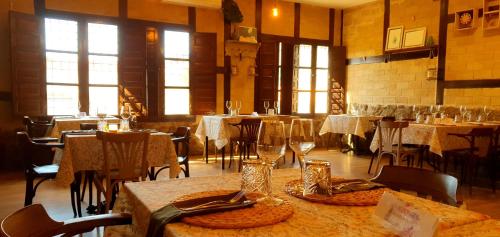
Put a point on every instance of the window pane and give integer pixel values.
(322, 57)
(304, 79)
(176, 73)
(279, 54)
(103, 70)
(322, 79)
(176, 44)
(62, 67)
(103, 100)
(62, 100)
(61, 35)
(279, 78)
(305, 55)
(176, 101)
(321, 105)
(279, 102)
(103, 38)
(304, 103)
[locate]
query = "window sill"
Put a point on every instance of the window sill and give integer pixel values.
(170, 118)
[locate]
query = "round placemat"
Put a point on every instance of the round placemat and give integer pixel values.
(358, 198)
(258, 215)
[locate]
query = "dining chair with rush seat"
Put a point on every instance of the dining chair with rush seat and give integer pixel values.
(441, 187)
(181, 138)
(248, 131)
(34, 221)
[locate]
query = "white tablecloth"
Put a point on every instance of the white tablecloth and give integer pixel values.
(84, 152)
(348, 124)
(436, 137)
(66, 124)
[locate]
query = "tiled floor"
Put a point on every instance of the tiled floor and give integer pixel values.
(56, 199)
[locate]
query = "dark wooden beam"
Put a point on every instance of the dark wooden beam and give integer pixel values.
(331, 28)
(296, 21)
(123, 9)
(5, 96)
(387, 19)
(476, 83)
(394, 56)
(258, 17)
(221, 70)
(39, 6)
(443, 35)
(192, 19)
(341, 27)
(227, 66)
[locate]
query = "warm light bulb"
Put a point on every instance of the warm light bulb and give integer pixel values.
(275, 11)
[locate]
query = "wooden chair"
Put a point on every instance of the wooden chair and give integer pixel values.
(249, 129)
(88, 126)
(441, 187)
(33, 221)
(181, 139)
(125, 159)
(38, 129)
(389, 131)
(469, 155)
(38, 165)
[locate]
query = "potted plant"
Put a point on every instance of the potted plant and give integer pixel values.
(232, 15)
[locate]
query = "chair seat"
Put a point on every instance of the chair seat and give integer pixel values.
(46, 170)
(45, 139)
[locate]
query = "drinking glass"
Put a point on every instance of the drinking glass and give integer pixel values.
(415, 111)
(238, 106)
(487, 111)
(229, 104)
(463, 111)
(266, 105)
(271, 143)
(302, 139)
(276, 107)
(125, 114)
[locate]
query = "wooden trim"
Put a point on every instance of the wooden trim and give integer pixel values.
(221, 70)
(39, 6)
(387, 18)
(5, 96)
(342, 27)
(443, 34)
(123, 9)
(392, 57)
(331, 28)
(476, 83)
(289, 39)
(296, 21)
(83, 67)
(258, 17)
(227, 66)
(192, 18)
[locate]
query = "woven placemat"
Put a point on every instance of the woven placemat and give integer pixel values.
(258, 215)
(358, 198)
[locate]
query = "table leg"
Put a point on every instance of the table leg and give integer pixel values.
(206, 149)
(223, 151)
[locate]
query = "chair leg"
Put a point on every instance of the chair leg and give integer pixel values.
(73, 193)
(152, 175)
(293, 157)
(223, 151)
(84, 187)
(230, 153)
(28, 196)
(186, 172)
(371, 162)
(206, 149)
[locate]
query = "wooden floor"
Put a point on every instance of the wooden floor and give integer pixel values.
(56, 199)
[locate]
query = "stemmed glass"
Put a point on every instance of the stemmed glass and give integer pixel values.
(487, 112)
(271, 144)
(238, 106)
(266, 105)
(463, 111)
(125, 114)
(276, 107)
(229, 104)
(302, 139)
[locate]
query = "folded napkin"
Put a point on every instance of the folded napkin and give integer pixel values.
(353, 185)
(177, 210)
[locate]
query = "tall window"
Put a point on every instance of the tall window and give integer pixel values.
(176, 73)
(311, 74)
(61, 44)
(103, 68)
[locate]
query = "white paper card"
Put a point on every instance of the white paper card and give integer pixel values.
(403, 219)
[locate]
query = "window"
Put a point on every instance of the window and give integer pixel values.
(103, 68)
(312, 76)
(176, 72)
(61, 44)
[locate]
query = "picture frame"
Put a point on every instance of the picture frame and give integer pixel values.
(415, 38)
(394, 38)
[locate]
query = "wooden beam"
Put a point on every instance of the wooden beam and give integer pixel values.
(39, 6)
(342, 27)
(258, 17)
(476, 83)
(387, 18)
(123, 9)
(392, 57)
(296, 21)
(227, 66)
(331, 28)
(443, 35)
(192, 19)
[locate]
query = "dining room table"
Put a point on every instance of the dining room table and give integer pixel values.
(84, 152)
(308, 219)
(68, 124)
(436, 137)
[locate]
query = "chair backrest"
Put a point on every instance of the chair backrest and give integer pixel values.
(182, 135)
(125, 155)
(33, 221)
(37, 128)
(33, 155)
(441, 187)
(88, 126)
(249, 129)
(388, 131)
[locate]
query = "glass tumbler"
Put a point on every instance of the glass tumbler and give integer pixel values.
(317, 177)
(255, 177)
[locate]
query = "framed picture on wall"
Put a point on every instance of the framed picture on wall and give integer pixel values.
(394, 38)
(414, 38)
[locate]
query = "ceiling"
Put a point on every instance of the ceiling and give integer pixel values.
(333, 3)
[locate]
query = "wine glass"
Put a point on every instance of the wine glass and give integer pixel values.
(276, 107)
(229, 104)
(266, 105)
(125, 112)
(487, 111)
(238, 106)
(271, 144)
(301, 139)
(463, 111)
